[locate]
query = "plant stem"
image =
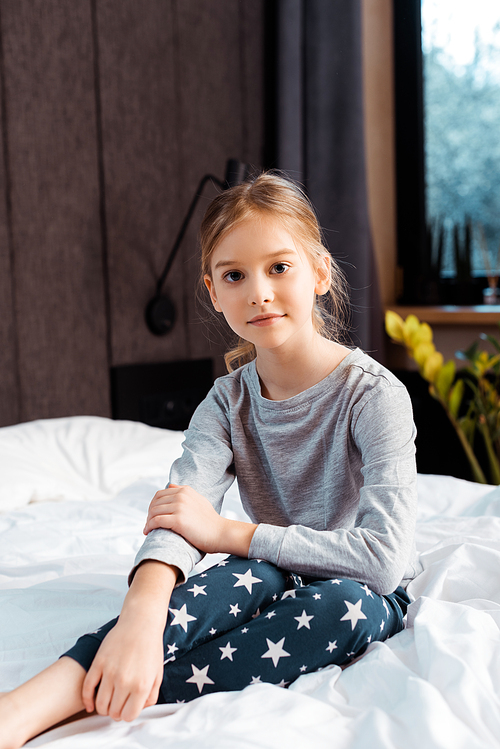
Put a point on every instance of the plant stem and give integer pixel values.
(477, 471)
(494, 467)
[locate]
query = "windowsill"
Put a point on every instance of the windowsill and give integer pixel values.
(483, 314)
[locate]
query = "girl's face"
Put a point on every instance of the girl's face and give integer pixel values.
(265, 285)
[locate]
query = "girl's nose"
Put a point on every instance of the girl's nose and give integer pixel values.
(260, 293)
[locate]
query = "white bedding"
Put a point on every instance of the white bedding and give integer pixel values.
(73, 497)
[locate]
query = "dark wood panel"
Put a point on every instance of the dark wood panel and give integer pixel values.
(9, 384)
(177, 80)
(253, 74)
(220, 73)
(59, 299)
(143, 175)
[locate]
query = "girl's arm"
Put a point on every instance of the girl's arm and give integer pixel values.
(207, 466)
(128, 668)
(189, 514)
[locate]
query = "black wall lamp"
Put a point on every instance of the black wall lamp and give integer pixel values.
(160, 311)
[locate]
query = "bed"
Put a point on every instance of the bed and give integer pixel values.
(73, 498)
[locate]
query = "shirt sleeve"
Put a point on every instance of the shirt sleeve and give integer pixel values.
(206, 465)
(378, 548)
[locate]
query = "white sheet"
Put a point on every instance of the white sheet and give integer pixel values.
(63, 567)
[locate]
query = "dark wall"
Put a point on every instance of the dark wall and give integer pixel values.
(111, 111)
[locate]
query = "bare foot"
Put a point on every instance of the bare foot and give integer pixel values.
(50, 697)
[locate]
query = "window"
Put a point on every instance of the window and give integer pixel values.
(447, 62)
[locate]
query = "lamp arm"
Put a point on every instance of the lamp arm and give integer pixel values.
(182, 230)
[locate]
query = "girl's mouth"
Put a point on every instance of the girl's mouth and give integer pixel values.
(262, 320)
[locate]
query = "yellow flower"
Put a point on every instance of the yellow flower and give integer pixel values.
(394, 326)
(410, 329)
(424, 334)
(432, 365)
(422, 352)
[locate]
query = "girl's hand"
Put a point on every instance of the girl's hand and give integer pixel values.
(127, 672)
(128, 668)
(182, 510)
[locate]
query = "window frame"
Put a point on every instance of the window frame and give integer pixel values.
(409, 148)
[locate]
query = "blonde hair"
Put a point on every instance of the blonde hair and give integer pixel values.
(270, 194)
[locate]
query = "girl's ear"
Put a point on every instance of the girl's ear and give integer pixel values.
(323, 276)
(211, 290)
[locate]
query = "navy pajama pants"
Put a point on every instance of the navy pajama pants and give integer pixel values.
(246, 621)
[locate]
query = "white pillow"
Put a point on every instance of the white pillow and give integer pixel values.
(81, 457)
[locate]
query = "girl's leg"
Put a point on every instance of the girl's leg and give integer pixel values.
(310, 627)
(48, 698)
(206, 606)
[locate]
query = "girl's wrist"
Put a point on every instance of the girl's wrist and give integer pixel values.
(149, 595)
(236, 537)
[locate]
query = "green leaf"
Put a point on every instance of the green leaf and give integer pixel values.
(491, 339)
(456, 396)
(444, 379)
(468, 427)
(468, 353)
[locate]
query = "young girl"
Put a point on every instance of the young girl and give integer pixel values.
(321, 439)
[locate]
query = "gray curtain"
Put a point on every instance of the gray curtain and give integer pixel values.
(320, 140)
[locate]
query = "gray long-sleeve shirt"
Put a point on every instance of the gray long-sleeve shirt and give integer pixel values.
(329, 474)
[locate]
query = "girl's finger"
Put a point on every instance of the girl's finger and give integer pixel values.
(119, 700)
(157, 521)
(90, 683)
(153, 695)
(104, 696)
(135, 702)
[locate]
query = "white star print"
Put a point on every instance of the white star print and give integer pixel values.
(199, 677)
(227, 651)
(234, 609)
(349, 655)
(204, 574)
(382, 625)
(180, 702)
(317, 596)
(172, 649)
(303, 620)
(275, 597)
(96, 631)
(283, 683)
(275, 651)
(212, 631)
(303, 668)
(288, 594)
(271, 614)
(256, 680)
(354, 613)
(182, 617)
(197, 590)
(331, 646)
(223, 563)
(367, 590)
(244, 630)
(336, 582)
(369, 638)
(246, 580)
(386, 607)
(169, 660)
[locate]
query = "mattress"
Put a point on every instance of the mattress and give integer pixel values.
(73, 497)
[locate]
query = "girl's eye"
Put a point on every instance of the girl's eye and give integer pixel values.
(280, 268)
(233, 276)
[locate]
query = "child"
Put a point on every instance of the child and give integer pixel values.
(321, 440)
